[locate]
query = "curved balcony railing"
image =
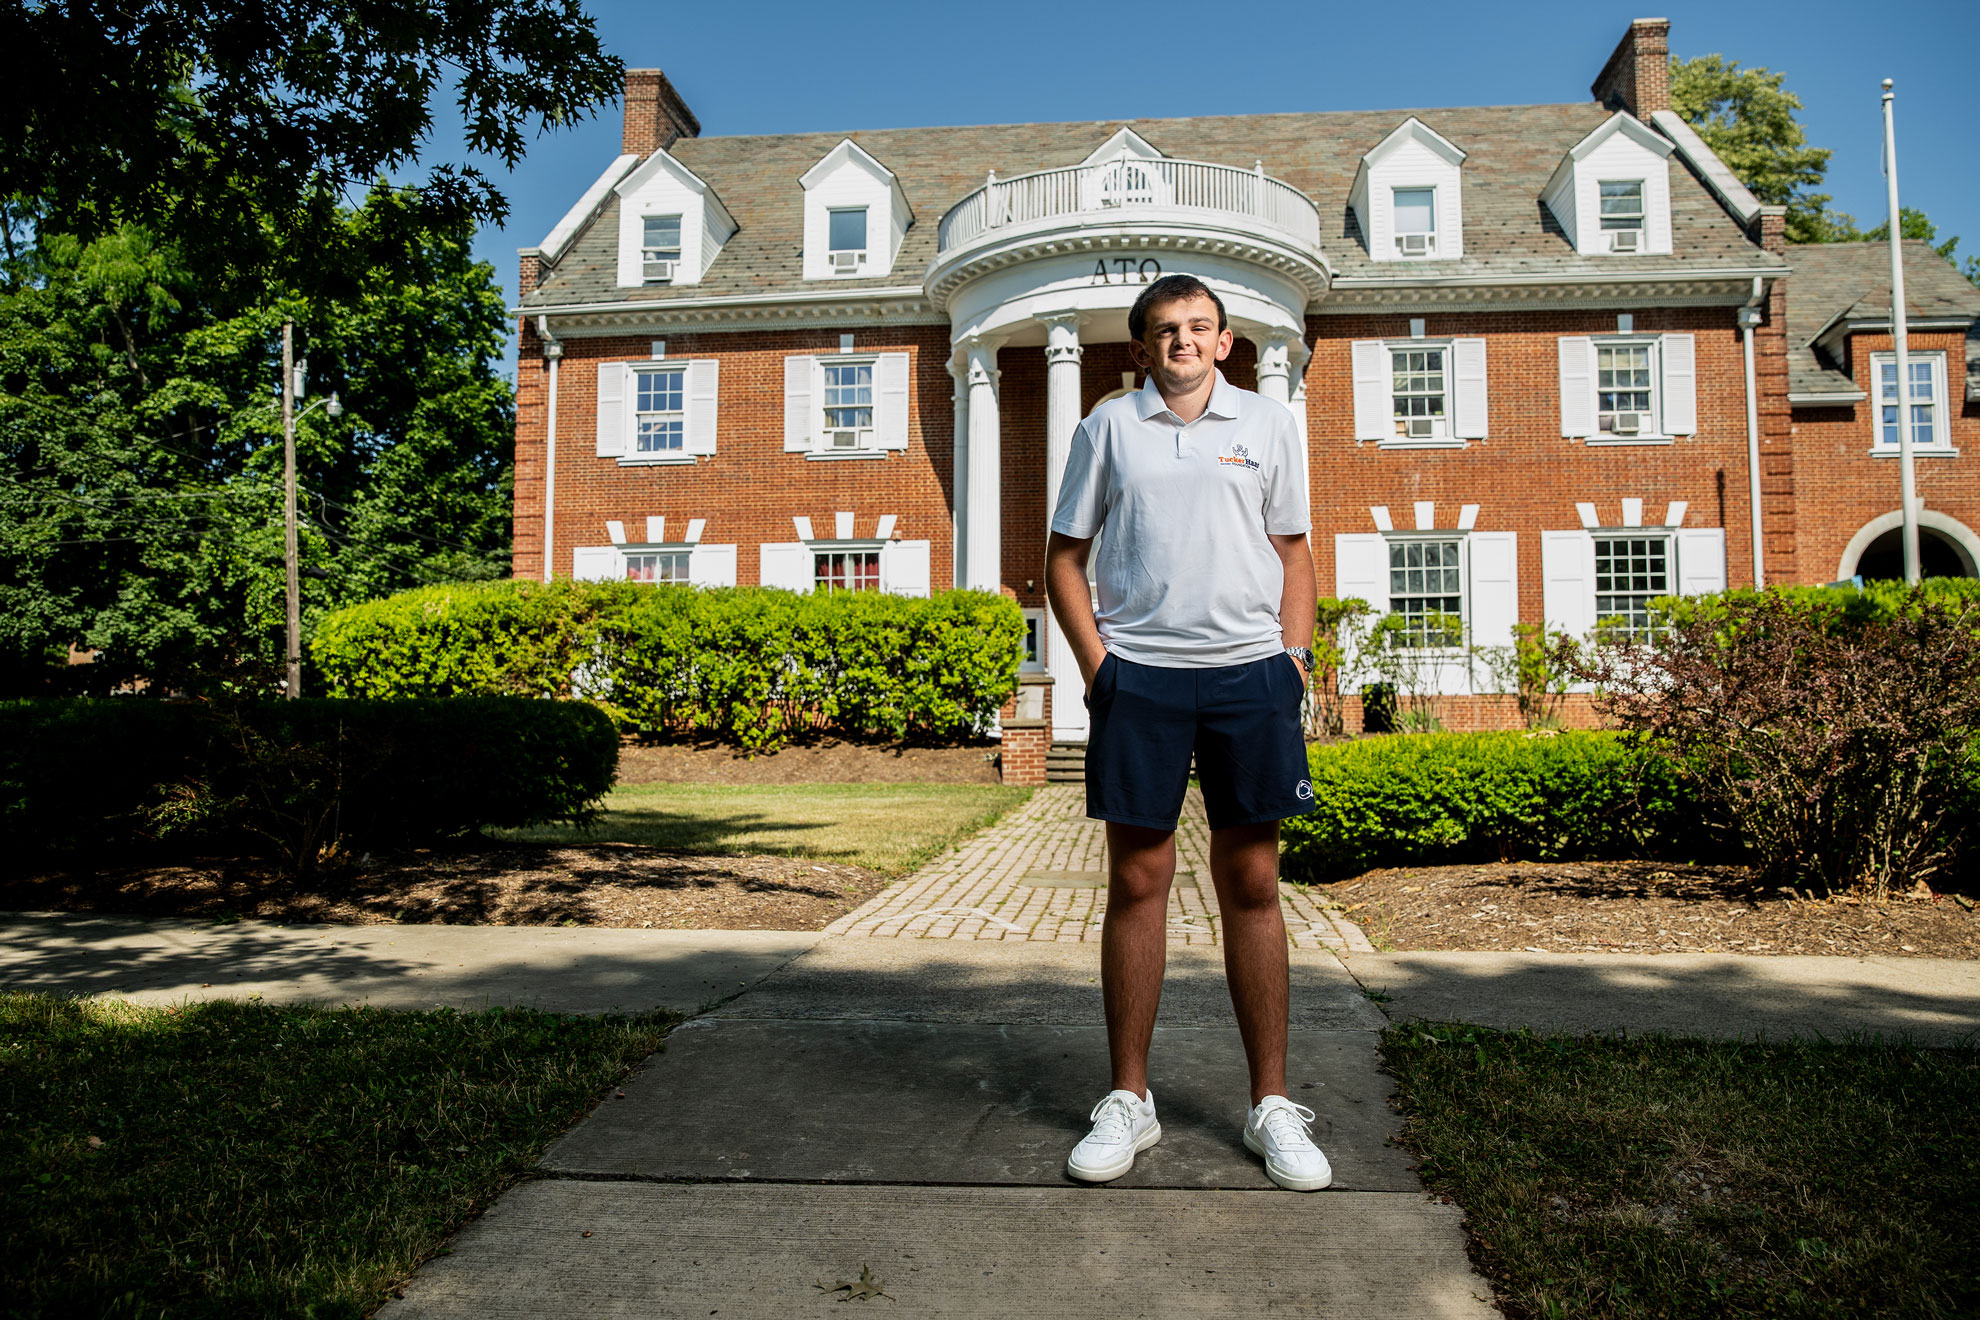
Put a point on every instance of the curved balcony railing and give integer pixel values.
(1127, 186)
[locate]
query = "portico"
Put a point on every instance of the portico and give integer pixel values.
(1052, 261)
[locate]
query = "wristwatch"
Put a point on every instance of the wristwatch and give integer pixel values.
(1302, 654)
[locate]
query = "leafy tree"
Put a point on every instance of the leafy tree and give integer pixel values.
(1747, 117)
(140, 450)
(234, 129)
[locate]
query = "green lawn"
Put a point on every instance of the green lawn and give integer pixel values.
(888, 827)
(232, 1159)
(1681, 1178)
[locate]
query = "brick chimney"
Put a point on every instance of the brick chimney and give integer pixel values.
(656, 116)
(1637, 77)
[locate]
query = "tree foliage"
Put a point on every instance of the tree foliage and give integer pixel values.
(235, 129)
(1747, 117)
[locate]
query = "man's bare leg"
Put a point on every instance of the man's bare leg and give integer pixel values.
(1134, 945)
(1244, 865)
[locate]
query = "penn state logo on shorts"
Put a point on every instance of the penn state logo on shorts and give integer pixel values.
(1304, 791)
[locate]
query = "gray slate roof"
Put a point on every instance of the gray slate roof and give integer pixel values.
(1852, 282)
(1512, 152)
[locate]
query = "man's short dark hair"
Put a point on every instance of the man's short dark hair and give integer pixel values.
(1168, 289)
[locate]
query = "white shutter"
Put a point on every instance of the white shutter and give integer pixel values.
(787, 565)
(1494, 587)
(801, 416)
(890, 401)
(612, 409)
(1468, 389)
(1680, 385)
(1577, 387)
(1361, 568)
(712, 566)
(904, 568)
(597, 563)
(1701, 555)
(1374, 403)
(704, 388)
(1567, 581)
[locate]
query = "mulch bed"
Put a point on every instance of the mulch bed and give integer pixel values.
(506, 885)
(824, 762)
(1641, 907)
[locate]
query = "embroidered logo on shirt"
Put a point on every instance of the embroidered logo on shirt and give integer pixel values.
(1239, 456)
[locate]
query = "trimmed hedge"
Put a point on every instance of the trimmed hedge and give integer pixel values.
(125, 772)
(1436, 798)
(751, 665)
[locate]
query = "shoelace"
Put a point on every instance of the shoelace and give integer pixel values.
(1113, 1118)
(1287, 1125)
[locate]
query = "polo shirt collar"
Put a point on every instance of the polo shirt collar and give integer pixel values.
(1149, 403)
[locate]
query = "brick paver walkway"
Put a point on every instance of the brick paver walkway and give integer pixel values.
(1000, 886)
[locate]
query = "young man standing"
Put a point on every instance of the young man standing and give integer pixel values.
(1200, 645)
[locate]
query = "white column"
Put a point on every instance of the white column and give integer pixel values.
(1275, 365)
(959, 493)
(984, 532)
(1062, 354)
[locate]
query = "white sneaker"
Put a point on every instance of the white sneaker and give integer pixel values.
(1123, 1125)
(1277, 1129)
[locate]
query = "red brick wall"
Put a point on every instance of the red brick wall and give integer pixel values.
(1841, 486)
(750, 488)
(1525, 477)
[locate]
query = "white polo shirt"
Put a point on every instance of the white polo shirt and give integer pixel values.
(1186, 576)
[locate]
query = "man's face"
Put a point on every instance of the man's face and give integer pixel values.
(1181, 345)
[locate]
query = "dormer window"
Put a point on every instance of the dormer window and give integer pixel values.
(1622, 213)
(847, 236)
(1416, 221)
(660, 249)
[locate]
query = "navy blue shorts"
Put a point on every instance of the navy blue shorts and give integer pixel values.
(1241, 722)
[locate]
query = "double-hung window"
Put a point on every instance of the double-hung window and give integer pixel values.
(1419, 391)
(1624, 396)
(845, 570)
(846, 239)
(660, 248)
(1415, 221)
(1927, 372)
(1631, 570)
(1426, 591)
(657, 566)
(659, 409)
(848, 405)
(1622, 213)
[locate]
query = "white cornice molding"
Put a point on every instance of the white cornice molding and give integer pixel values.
(1169, 233)
(895, 305)
(1651, 288)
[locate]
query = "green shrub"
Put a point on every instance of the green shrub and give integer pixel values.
(1426, 799)
(750, 665)
(296, 776)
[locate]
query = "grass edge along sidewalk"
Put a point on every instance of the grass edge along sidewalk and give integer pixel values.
(229, 1158)
(1652, 1176)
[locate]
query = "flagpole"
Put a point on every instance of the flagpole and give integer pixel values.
(1907, 472)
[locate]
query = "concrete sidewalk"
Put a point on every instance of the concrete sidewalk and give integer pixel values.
(561, 969)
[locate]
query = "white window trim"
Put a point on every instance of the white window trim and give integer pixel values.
(859, 270)
(1668, 535)
(855, 545)
(821, 433)
(1655, 435)
(1942, 418)
(630, 456)
(679, 248)
(1390, 347)
(1035, 617)
(660, 548)
(1396, 234)
(1463, 540)
(1642, 201)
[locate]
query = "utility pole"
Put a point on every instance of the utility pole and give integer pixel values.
(1907, 472)
(290, 557)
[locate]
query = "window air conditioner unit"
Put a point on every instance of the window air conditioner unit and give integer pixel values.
(1416, 245)
(1420, 428)
(1628, 423)
(1625, 240)
(848, 439)
(844, 263)
(660, 272)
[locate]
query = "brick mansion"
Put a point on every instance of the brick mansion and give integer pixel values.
(1549, 361)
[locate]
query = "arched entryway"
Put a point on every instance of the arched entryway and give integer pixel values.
(1946, 548)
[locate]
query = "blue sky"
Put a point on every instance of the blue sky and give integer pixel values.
(782, 67)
